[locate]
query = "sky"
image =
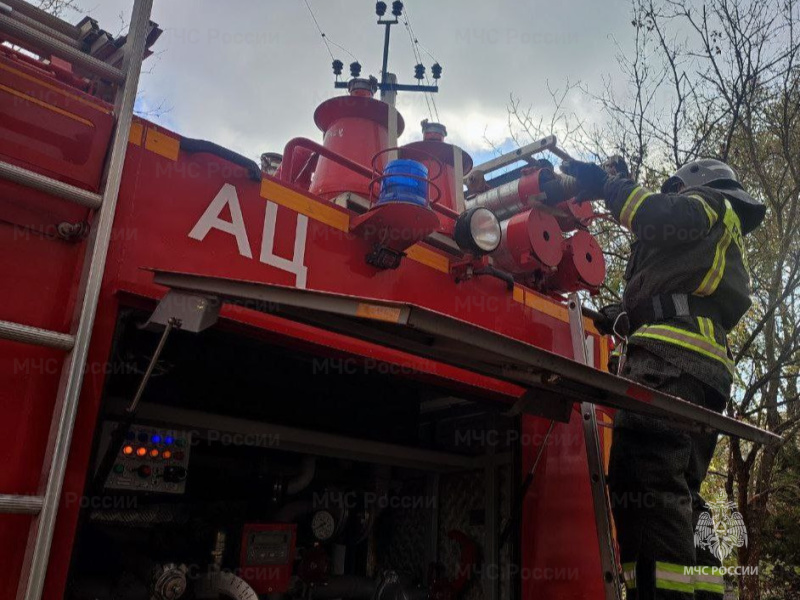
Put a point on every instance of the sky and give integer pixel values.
(249, 74)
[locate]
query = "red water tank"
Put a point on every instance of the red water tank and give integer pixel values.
(433, 148)
(355, 126)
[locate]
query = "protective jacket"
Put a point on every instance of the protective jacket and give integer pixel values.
(687, 278)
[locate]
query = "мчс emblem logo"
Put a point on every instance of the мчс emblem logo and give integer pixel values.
(720, 529)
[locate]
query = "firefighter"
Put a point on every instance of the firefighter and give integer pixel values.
(686, 287)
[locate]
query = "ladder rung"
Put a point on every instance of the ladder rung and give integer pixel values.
(41, 27)
(36, 336)
(49, 185)
(43, 42)
(20, 505)
(45, 18)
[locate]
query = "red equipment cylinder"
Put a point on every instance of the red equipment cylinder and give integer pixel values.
(442, 173)
(531, 242)
(515, 196)
(356, 127)
(583, 266)
(574, 215)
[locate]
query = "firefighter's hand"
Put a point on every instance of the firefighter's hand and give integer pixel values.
(590, 178)
(613, 320)
(616, 165)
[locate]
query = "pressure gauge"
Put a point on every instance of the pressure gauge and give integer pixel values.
(323, 525)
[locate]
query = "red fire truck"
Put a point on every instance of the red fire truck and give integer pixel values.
(362, 373)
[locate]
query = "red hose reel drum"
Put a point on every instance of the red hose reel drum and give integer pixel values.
(575, 214)
(531, 242)
(583, 266)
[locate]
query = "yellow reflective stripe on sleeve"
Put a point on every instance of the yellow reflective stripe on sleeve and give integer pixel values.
(674, 578)
(710, 213)
(686, 339)
(631, 205)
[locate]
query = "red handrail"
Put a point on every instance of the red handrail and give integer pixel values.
(288, 158)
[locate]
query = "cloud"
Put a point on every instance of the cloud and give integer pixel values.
(249, 74)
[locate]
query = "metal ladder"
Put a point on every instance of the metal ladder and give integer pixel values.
(597, 477)
(48, 35)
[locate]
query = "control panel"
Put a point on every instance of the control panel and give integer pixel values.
(267, 556)
(151, 459)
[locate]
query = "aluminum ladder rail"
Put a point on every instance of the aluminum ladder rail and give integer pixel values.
(597, 475)
(48, 37)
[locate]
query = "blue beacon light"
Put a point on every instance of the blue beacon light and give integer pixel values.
(397, 186)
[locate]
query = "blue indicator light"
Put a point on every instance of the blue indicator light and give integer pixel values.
(404, 181)
(156, 439)
(168, 440)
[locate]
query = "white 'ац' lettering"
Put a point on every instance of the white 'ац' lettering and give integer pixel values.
(211, 219)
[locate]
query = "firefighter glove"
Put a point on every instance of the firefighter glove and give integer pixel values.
(616, 166)
(590, 178)
(613, 320)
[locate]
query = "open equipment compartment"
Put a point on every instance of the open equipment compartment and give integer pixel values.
(299, 476)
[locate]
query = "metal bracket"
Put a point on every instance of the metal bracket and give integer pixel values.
(194, 312)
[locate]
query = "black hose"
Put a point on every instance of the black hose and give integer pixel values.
(495, 272)
(204, 146)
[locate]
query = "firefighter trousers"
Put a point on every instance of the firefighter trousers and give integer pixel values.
(654, 479)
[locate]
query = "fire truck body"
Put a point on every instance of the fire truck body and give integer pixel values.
(200, 213)
(284, 455)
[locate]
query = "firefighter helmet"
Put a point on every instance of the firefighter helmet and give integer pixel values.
(718, 175)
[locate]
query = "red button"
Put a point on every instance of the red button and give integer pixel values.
(144, 471)
(179, 455)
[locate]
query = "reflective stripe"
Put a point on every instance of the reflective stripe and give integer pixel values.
(734, 226)
(706, 327)
(673, 577)
(713, 277)
(706, 586)
(686, 339)
(631, 205)
(701, 325)
(629, 575)
(710, 212)
(731, 233)
(705, 582)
